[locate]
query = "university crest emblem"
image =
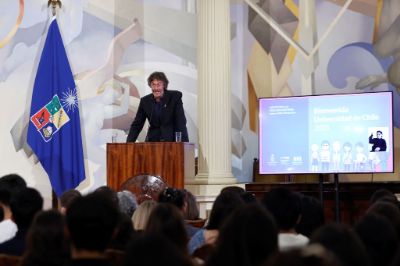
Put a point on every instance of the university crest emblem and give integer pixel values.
(50, 118)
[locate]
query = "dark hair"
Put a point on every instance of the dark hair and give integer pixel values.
(311, 255)
(91, 221)
(24, 205)
(388, 210)
(154, 249)
(234, 189)
(384, 194)
(343, 242)
(167, 220)
(109, 193)
(284, 205)
(46, 241)
(379, 238)
(173, 196)
(12, 182)
(223, 205)
(158, 76)
(192, 208)
(248, 237)
(123, 233)
(68, 197)
(312, 215)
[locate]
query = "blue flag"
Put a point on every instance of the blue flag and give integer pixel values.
(54, 131)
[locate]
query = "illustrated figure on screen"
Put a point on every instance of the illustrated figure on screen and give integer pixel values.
(347, 156)
(361, 158)
(314, 158)
(336, 155)
(379, 143)
(325, 155)
(373, 160)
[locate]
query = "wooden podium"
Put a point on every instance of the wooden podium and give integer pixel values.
(172, 161)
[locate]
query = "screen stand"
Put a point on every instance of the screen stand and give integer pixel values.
(337, 201)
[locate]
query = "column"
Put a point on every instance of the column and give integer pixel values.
(214, 93)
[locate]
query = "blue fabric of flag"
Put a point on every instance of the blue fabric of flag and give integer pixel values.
(54, 131)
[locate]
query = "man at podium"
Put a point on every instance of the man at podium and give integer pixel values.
(164, 111)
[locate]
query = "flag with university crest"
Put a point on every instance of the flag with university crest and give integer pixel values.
(54, 131)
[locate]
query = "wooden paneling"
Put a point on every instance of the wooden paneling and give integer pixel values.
(354, 197)
(172, 161)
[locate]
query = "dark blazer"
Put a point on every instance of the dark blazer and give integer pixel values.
(172, 118)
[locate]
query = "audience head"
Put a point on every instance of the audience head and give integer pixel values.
(383, 195)
(311, 255)
(192, 207)
(46, 240)
(67, 198)
(284, 205)
(142, 214)
(12, 182)
(167, 220)
(9, 184)
(173, 196)
(248, 237)
(109, 193)
(379, 237)
(91, 221)
(223, 206)
(24, 205)
(152, 249)
(312, 216)
(388, 210)
(123, 232)
(343, 242)
(232, 189)
(248, 197)
(127, 202)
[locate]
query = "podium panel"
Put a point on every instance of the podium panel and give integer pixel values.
(172, 161)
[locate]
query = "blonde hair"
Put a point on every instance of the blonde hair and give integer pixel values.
(142, 213)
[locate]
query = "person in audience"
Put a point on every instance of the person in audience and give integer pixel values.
(384, 195)
(234, 189)
(379, 237)
(142, 214)
(311, 255)
(24, 204)
(167, 220)
(91, 222)
(343, 242)
(46, 241)
(248, 197)
(9, 184)
(192, 207)
(109, 193)
(152, 249)
(176, 197)
(127, 202)
(248, 238)
(285, 206)
(388, 210)
(124, 232)
(67, 198)
(223, 206)
(312, 216)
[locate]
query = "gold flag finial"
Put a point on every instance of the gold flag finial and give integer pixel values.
(54, 4)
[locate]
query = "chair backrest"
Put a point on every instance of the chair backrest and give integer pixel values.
(9, 260)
